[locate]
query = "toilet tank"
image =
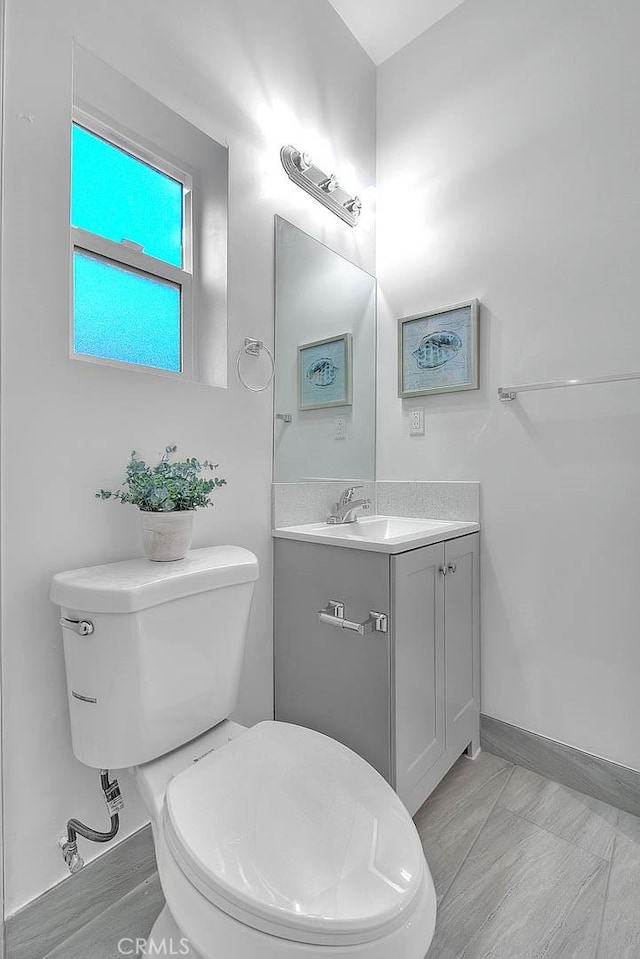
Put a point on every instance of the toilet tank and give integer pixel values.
(162, 662)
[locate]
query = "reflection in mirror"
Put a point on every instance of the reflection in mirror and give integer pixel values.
(325, 340)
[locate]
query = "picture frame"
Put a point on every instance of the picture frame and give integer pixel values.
(325, 372)
(438, 350)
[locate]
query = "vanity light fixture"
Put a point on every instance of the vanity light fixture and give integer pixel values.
(323, 186)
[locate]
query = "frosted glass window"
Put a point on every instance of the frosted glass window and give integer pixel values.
(117, 196)
(125, 315)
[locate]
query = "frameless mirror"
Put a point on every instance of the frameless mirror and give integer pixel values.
(325, 337)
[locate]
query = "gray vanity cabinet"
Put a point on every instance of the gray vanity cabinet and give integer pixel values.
(417, 614)
(435, 614)
(329, 679)
(462, 635)
(407, 700)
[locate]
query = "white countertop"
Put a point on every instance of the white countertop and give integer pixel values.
(379, 534)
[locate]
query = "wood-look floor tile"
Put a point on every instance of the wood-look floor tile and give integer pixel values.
(132, 918)
(620, 936)
(456, 811)
(522, 893)
(56, 915)
(580, 819)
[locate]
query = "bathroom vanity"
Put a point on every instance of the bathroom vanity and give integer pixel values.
(377, 642)
(376, 621)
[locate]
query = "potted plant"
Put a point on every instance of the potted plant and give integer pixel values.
(167, 496)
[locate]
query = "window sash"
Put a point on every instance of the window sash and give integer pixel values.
(84, 242)
(102, 129)
(120, 254)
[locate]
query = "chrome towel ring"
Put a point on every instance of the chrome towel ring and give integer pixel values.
(253, 347)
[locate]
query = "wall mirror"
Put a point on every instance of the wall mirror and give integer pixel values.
(325, 340)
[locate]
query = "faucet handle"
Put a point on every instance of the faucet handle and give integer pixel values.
(347, 494)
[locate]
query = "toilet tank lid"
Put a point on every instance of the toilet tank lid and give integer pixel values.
(140, 583)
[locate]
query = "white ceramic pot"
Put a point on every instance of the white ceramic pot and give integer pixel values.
(167, 536)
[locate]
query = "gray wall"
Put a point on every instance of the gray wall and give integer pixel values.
(250, 74)
(508, 170)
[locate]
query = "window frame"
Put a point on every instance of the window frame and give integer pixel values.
(118, 253)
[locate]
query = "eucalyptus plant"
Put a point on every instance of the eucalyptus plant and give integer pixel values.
(167, 486)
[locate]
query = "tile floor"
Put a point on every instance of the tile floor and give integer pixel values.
(524, 869)
(527, 869)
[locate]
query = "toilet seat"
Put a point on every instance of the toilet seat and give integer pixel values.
(295, 835)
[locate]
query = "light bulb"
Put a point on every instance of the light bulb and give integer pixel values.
(330, 184)
(303, 161)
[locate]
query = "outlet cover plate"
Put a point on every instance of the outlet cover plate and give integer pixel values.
(340, 428)
(416, 421)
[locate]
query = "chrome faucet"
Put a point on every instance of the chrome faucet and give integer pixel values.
(344, 511)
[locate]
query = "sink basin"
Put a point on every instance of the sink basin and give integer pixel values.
(386, 534)
(386, 527)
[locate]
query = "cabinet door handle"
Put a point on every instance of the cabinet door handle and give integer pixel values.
(443, 570)
(452, 567)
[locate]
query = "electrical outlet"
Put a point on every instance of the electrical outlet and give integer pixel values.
(416, 422)
(339, 428)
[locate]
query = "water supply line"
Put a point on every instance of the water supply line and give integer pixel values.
(69, 843)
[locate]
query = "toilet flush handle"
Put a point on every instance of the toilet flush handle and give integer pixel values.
(83, 627)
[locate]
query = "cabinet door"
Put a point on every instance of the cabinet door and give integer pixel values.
(331, 679)
(418, 617)
(462, 630)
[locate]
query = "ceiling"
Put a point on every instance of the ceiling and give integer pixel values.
(383, 27)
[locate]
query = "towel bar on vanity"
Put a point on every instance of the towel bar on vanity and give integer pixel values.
(333, 615)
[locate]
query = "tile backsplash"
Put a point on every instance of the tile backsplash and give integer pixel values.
(432, 500)
(296, 503)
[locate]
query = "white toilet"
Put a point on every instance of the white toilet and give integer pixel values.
(271, 842)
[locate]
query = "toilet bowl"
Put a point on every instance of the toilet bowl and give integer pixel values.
(284, 843)
(271, 842)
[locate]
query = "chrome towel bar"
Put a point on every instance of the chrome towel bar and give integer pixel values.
(333, 615)
(506, 393)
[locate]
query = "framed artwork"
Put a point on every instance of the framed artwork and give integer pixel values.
(438, 351)
(324, 372)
